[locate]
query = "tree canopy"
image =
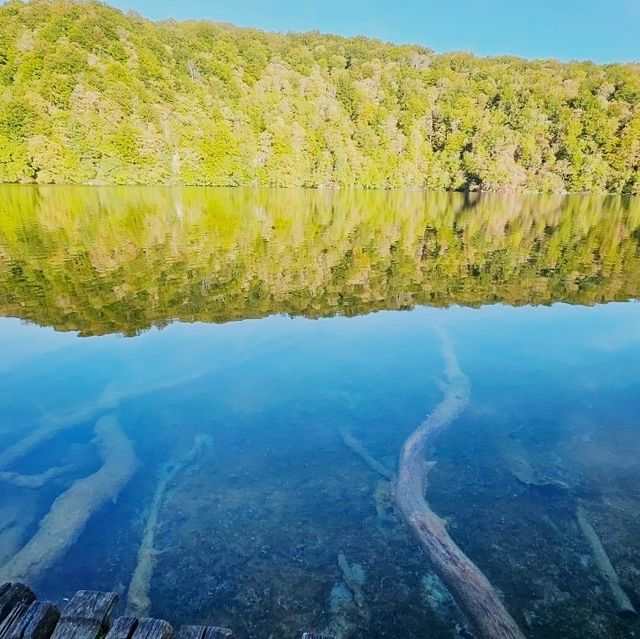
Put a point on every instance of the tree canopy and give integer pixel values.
(95, 96)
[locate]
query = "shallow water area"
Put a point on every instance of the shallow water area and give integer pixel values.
(204, 394)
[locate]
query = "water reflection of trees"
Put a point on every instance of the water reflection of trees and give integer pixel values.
(103, 260)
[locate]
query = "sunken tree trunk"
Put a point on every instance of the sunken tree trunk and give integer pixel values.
(466, 582)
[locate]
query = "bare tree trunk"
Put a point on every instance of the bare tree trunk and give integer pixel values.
(470, 588)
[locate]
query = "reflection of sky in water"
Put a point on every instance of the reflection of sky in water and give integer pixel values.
(276, 497)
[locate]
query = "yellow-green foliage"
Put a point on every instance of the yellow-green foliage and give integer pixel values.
(123, 259)
(89, 94)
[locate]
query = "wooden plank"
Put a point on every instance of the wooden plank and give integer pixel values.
(191, 632)
(92, 606)
(213, 632)
(12, 619)
(86, 616)
(12, 596)
(38, 622)
(123, 628)
(313, 635)
(154, 629)
(204, 632)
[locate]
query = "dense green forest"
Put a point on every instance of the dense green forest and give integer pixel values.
(92, 95)
(120, 260)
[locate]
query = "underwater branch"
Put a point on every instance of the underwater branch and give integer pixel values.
(71, 511)
(471, 589)
(138, 600)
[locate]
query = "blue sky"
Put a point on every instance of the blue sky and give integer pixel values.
(600, 30)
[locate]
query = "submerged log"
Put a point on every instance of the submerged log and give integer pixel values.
(138, 600)
(115, 394)
(470, 588)
(68, 515)
(33, 481)
(608, 572)
(110, 399)
(358, 448)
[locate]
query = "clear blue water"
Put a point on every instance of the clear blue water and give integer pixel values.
(262, 517)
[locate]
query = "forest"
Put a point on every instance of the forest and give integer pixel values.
(92, 95)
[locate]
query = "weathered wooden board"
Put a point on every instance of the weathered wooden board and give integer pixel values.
(204, 632)
(12, 619)
(91, 606)
(86, 616)
(123, 628)
(12, 595)
(213, 632)
(37, 622)
(153, 629)
(191, 632)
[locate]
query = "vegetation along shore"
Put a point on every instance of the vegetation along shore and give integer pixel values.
(92, 95)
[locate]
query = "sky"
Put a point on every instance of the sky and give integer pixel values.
(599, 30)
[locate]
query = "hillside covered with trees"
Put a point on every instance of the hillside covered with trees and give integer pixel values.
(92, 95)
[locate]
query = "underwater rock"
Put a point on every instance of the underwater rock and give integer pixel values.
(69, 513)
(354, 578)
(437, 596)
(472, 591)
(343, 620)
(346, 602)
(439, 599)
(517, 462)
(138, 601)
(383, 496)
(623, 604)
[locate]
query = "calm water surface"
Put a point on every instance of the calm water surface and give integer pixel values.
(184, 373)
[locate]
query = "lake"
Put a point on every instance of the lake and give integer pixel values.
(205, 394)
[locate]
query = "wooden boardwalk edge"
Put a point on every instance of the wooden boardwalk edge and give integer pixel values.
(87, 615)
